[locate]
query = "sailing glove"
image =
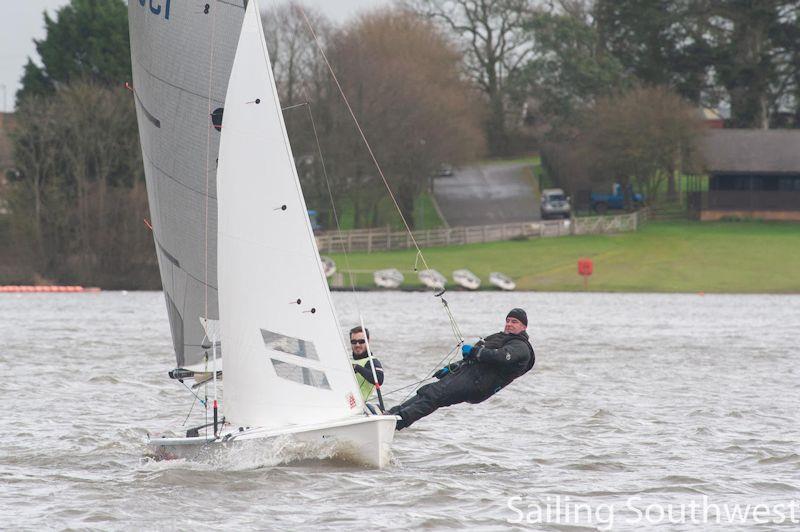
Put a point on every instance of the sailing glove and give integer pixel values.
(466, 350)
(442, 372)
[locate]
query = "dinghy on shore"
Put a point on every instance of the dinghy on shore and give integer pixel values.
(466, 279)
(389, 278)
(328, 266)
(432, 279)
(501, 281)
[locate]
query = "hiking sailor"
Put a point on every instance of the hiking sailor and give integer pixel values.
(361, 366)
(486, 368)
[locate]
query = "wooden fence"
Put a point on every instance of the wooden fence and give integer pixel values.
(370, 240)
(597, 225)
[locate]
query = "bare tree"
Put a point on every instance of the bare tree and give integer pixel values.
(296, 63)
(305, 89)
(35, 146)
(496, 45)
(403, 80)
(645, 135)
(81, 181)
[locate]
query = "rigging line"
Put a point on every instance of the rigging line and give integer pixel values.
(208, 149)
(386, 394)
(295, 106)
(333, 206)
(453, 322)
(341, 240)
(344, 248)
(447, 358)
(363, 136)
(367, 144)
(192, 392)
(187, 415)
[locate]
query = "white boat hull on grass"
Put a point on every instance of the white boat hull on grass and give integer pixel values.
(390, 278)
(501, 281)
(432, 279)
(363, 440)
(466, 279)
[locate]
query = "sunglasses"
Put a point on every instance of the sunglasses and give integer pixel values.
(359, 342)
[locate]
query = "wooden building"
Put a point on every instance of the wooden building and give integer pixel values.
(753, 173)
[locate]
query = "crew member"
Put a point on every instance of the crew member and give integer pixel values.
(486, 368)
(361, 365)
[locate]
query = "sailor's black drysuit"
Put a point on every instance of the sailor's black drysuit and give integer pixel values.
(502, 358)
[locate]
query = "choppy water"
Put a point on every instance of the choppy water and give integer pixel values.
(635, 400)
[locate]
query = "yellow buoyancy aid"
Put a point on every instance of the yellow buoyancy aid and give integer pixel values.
(364, 386)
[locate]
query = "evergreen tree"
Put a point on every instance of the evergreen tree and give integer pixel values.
(87, 40)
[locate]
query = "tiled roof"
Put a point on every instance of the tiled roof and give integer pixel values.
(752, 150)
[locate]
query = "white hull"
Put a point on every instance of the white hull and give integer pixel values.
(328, 265)
(432, 279)
(466, 279)
(501, 281)
(390, 278)
(365, 440)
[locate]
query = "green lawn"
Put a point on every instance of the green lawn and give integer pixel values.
(741, 257)
(425, 215)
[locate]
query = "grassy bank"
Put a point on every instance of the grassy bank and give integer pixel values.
(741, 257)
(425, 215)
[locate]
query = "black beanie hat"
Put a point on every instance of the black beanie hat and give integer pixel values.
(519, 314)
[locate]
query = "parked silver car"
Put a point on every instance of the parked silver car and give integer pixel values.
(555, 204)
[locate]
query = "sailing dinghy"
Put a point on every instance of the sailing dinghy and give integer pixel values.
(502, 281)
(432, 279)
(328, 265)
(286, 371)
(466, 279)
(388, 278)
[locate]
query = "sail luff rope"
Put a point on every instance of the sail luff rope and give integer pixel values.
(208, 187)
(420, 255)
(208, 148)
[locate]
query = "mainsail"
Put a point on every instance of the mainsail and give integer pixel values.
(285, 361)
(182, 53)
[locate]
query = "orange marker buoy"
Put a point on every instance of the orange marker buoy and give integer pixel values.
(45, 289)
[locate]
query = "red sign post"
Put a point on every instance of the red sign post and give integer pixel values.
(585, 269)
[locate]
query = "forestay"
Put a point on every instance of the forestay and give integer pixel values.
(182, 54)
(285, 363)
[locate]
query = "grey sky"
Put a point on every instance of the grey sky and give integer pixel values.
(24, 22)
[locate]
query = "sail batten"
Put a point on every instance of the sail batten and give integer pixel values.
(285, 359)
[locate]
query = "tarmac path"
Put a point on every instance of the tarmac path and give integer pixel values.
(491, 193)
